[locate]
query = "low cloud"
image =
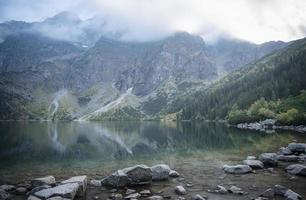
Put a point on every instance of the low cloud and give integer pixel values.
(253, 20)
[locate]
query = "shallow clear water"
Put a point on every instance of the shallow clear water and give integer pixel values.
(92, 147)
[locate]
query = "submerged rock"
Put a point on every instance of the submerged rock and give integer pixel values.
(290, 195)
(297, 169)
(21, 190)
(81, 180)
(58, 198)
(269, 159)
(221, 190)
(68, 190)
(31, 197)
(130, 191)
(237, 169)
(133, 196)
(145, 192)
(255, 164)
(160, 172)
(268, 193)
(48, 180)
(279, 190)
(180, 190)
(236, 190)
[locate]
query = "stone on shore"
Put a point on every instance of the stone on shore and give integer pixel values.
(198, 197)
(269, 193)
(32, 192)
(58, 198)
(237, 169)
(81, 180)
(288, 158)
(136, 175)
(251, 158)
(155, 197)
(284, 151)
(221, 190)
(48, 180)
(133, 196)
(68, 190)
(180, 190)
(297, 169)
(236, 190)
(31, 197)
(174, 174)
(160, 172)
(95, 183)
(297, 147)
(269, 159)
(291, 195)
(145, 192)
(255, 164)
(8, 187)
(4, 195)
(20, 190)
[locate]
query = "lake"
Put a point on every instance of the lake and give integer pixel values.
(63, 149)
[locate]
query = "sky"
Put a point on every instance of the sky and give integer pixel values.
(256, 21)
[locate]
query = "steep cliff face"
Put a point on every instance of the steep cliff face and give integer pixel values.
(48, 77)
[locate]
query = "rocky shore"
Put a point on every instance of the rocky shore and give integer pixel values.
(144, 182)
(269, 126)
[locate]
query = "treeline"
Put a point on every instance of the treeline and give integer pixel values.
(276, 76)
(290, 111)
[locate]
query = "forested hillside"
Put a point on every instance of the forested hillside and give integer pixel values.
(276, 76)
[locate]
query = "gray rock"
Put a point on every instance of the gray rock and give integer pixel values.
(48, 180)
(268, 193)
(255, 164)
(133, 196)
(290, 195)
(58, 198)
(96, 183)
(81, 180)
(31, 197)
(237, 169)
(160, 172)
(145, 192)
(155, 197)
(297, 169)
(288, 158)
(139, 174)
(251, 158)
(174, 174)
(279, 190)
(236, 190)
(116, 196)
(21, 190)
(32, 192)
(117, 179)
(7, 187)
(198, 197)
(130, 191)
(297, 147)
(180, 190)
(68, 190)
(4, 195)
(221, 190)
(284, 151)
(269, 159)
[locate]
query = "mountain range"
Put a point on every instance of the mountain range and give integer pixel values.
(65, 68)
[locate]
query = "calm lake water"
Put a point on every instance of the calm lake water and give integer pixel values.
(28, 148)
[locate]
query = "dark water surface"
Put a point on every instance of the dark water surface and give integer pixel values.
(65, 148)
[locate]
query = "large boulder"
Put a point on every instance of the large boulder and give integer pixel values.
(68, 190)
(297, 169)
(136, 175)
(269, 159)
(81, 180)
(48, 180)
(237, 169)
(297, 147)
(160, 172)
(255, 164)
(139, 174)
